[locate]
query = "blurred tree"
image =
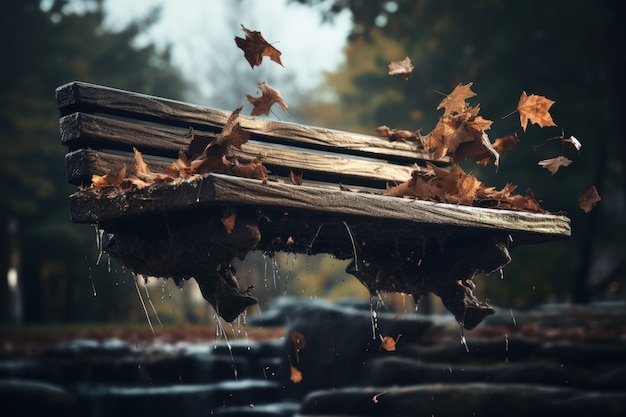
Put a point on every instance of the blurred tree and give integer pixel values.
(566, 53)
(43, 49)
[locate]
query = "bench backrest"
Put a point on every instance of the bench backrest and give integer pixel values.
(101, 125)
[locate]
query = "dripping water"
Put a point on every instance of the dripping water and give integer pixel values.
(145, 286)
(463, 340)
(93, 286)
(373, 317)
(219, 332)
(143, 305)
(356, 261)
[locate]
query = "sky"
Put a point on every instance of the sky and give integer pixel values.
(201, 34)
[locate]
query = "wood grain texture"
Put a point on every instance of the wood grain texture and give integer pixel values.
(87, 207)
(79, 96)
(80, 130)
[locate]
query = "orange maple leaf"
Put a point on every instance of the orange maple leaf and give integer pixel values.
(588, 199)
(269, 96)
(535, 108)
(402, 68)
(255, 47)
(296, 375)
(553, 164)
(455, 101)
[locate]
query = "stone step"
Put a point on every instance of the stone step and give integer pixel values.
(184, 400)
(463, 400)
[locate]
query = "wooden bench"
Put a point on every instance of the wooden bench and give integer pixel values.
(179, 229)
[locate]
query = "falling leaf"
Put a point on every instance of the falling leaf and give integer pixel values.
(553, 164)
(375, 397)
(255, 47)
(388, 343)
(402, 68)
(109, 179)
(269, 96)
(573, 142)
(588, 199)
(455, 101)
(296, 375)
(229, 222)
(535, 108)
(505, 143)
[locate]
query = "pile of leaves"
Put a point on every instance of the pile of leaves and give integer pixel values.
(460, 134)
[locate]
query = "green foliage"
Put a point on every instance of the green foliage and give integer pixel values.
(564, 53)
(44, 49)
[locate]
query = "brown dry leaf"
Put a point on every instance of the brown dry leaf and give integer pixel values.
(388, 343)
(229, 222)
(144, 173)
(233, 134)
(295, 179)
(253, 169)
(453, 130)
(398, 135)
(402, 68)
(553, 164)
(255, 47)
(269, 96)
(505, 143)
(109, 179)
(535, 108)
(455, 101)
(588, 199)
(296, 375)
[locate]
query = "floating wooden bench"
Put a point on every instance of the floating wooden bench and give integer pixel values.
(177, 229)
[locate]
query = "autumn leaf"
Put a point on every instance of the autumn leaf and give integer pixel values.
(233, 134)
(455, 101)
(269, 96)
(255, 47)
(295, 179)
(296, 375)
(143, 172)
(571, 142)
(553, 164)
(535, 108)
(229, 222)
(109, 179)
(388, 343)
(394, 135)
(505, 143)
(253, 169)
(402, 68)
(588, 199)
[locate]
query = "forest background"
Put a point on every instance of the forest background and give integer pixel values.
(568, 52)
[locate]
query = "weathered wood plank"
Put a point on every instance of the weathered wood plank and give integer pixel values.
(83, 130)
(222, 189)
(79, 96)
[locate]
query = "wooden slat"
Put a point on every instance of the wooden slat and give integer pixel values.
(85, 130)
(79, 96)
(83, 163)
(88, 207)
